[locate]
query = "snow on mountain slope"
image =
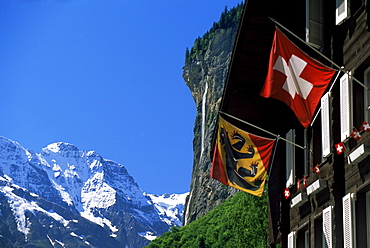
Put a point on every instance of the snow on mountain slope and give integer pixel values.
(83, 183)
(170, 207)
(20, 205)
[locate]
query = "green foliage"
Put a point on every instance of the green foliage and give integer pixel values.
(239, 222)
(228, 19)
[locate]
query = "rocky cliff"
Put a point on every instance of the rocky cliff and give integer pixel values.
(205, 74)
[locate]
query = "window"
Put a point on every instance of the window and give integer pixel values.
(362, 221)
(368, 218)
(314, 137)
(367, 95)
(319, 234)
(301, 154)
(358, 101)
(296, 157)
(361, 96)
(290, 158)
(355, 5)
(341, 12)
(315, 22)
(303, 238)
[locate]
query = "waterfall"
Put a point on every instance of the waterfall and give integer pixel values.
(203, 118)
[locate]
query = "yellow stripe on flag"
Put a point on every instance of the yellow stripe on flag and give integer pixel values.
(243, 157)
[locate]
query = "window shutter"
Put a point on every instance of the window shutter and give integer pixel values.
(314, 22)
(348, 221)
(327, 226)
(291, 240)
(345, 107)
(342, 11)
(290, 158)
(325, 124)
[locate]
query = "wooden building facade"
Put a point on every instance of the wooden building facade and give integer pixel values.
(332, 206)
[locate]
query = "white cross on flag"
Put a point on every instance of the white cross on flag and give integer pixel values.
(340, 148)
(295, 78)
(316, 169)
(355, 134)
(286, 193)
(365, 126)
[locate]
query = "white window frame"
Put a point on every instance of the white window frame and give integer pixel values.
(346, 117)
(326, 125)
(341, 11)
(315, 22)
(290, 159)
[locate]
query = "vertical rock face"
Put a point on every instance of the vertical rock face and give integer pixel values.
(205, 76)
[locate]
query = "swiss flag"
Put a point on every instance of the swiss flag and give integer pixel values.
(365, 127)
(295, 78)
(286, 193)
(316, 169)
(340, 148)
(356, 134)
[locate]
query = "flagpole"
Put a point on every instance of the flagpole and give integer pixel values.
(259, 128)
(331, 87)
(340, 68)
(336, 77)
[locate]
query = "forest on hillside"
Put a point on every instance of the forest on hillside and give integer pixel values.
(229, 18)
(241, 221)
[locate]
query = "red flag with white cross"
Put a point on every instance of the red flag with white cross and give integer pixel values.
(340, 148)
(365, 127)
(295, 78)
(316, 169)
(356, 134)
(286, 193)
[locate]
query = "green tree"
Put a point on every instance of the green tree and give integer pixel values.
(228, 18)
(239, 222)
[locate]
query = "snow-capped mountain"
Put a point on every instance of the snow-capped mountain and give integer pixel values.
(170, 207)
(66, 197)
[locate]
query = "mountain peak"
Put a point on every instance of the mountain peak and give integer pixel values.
(12, 151)
(60, 147)
(79, 187)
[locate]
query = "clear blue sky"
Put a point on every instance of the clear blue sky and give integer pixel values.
(105, 75)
